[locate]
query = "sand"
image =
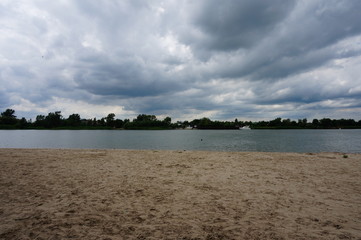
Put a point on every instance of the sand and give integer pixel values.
(126, 194)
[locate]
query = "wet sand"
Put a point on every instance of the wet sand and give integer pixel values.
(125, 194)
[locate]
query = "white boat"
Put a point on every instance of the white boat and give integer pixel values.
(245, 128)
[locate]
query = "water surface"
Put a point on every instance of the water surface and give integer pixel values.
(215, 140)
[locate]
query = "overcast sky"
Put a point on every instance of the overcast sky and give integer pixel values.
(249, 59)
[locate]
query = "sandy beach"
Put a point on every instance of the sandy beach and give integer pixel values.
(126, 194)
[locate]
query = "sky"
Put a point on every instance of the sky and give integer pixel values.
(250, 59)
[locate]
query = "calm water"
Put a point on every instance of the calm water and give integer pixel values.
(217, 140)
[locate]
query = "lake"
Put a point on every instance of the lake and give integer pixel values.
(348, 141)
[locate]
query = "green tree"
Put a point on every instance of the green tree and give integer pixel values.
(167, 120)
(315, 123)
(8, 113)
(194, 123)
(8, 117)
(110, 119)
(144, 121)
(23, 123)
(286, 122)
(302, 122)
(326, 123)
(205, 123)
(101, 122)
(145, 118)
(40, 121)
(276, 122)
(54, 119)
(118, 123)
(74, 120)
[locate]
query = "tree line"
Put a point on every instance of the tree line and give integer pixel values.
(54, 120)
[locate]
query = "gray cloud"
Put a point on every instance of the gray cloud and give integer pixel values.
(128, 79)
(305, 41)
(254, 59)
(232, 24)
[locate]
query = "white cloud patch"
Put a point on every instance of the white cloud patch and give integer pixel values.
(68, 107)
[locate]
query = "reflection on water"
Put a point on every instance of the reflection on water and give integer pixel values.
(216, 140)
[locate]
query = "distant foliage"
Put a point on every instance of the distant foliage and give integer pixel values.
(324, 123)
(8, 117)
(144, 121)
(54, 120)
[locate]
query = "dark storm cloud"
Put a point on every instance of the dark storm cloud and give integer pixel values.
(304, 41)
(126, 79)
(299, 94)
(233, 24)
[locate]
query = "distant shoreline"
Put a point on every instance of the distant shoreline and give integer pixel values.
(54, 120)
(110, 128)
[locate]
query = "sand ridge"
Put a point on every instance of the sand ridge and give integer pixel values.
(132, 194)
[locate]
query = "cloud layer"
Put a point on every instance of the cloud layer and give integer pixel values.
(242, 59)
